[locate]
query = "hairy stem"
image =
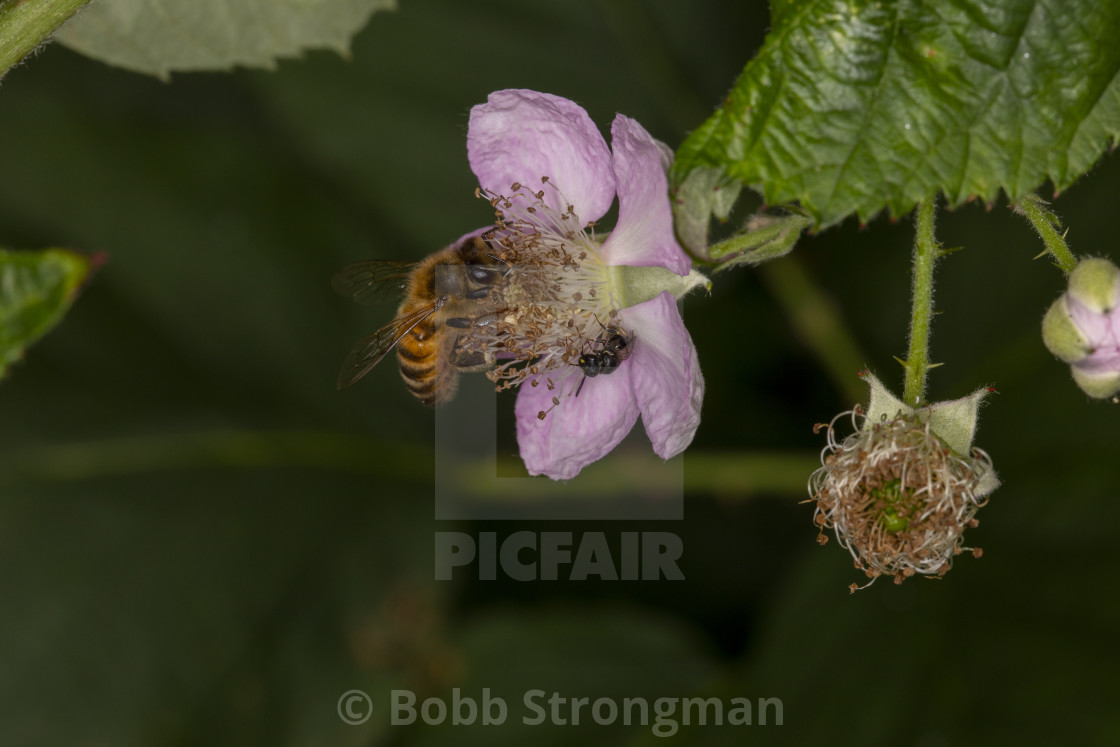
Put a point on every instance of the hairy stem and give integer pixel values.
(1047, 225)
(25, 24)
(921, 311)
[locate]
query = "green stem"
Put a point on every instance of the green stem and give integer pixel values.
(733, 474)
(246, 449)
(25, 24)
(921, 311)
(1047, 225)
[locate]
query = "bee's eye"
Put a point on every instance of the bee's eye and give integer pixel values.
(483, 276)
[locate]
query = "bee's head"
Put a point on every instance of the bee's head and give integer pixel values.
(478, 251)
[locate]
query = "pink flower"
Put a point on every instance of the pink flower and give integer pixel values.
(630, 280)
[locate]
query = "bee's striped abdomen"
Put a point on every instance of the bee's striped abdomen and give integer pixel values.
(423, 365)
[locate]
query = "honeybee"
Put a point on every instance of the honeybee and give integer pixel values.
(444, 296)
(606, 360)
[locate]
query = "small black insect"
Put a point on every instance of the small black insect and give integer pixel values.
(606, 360)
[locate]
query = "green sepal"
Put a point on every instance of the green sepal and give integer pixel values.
(766, 237)
(704, 193)
(953, 421)
(883, 405)
(634, 285)
(1061, 336)
(1095, 284)
(1099, 386)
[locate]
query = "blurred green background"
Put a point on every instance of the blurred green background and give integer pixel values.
(203, 542)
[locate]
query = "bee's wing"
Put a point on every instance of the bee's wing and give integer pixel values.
(369, 351)
(373, 280)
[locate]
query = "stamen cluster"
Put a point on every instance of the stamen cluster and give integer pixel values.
(897, 496)
(556, 297)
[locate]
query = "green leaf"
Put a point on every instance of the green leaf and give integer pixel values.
(36, 289)
(161, 36)
(24, 26)
(853, 106)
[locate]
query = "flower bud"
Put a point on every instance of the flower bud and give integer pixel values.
(1083, 327)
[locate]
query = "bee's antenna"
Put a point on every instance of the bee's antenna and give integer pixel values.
(504, 261)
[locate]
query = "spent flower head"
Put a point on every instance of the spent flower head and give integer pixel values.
(901, 489)
(1083, 327)
(550, 176)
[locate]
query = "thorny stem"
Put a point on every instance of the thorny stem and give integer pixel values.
(1047, 225)
(926, 252)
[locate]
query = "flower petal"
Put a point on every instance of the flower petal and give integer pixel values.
(1103, 360)
(521, 135)
(1100, 330)
(644, 234)
(1094, 325)
(580, 430)
(666, 374)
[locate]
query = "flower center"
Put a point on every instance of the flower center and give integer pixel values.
(557, 300)
(897, 496)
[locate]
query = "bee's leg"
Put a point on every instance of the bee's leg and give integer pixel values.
(471, 363)
(580, 387)
(468, 361)
(486, 320)
(466, 322)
